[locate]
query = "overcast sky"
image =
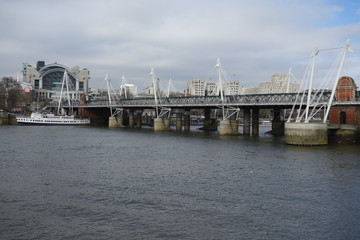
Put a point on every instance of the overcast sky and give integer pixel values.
(181, 39)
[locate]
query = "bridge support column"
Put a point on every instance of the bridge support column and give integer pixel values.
(277, 125)
(116, 122)
(234, 126)
(224, 127)
(161, 124)
(131, 118)
(306, 134)
(187, 121)
(179, 117)
(228, 127)
(255, 121)
(209, 123)
(246, 126)
(139, 119)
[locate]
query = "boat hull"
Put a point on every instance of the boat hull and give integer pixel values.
(52, 123)
(50, 119)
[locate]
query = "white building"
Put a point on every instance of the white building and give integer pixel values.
(195, 87)
(232, 87)
(198, 87)
(279, 84)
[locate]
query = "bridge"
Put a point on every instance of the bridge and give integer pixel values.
(130, 112)
(307, 105)
(283, 100)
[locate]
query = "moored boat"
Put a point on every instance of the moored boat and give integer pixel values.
(51, 119)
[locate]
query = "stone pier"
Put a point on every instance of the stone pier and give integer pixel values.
(228, 127)
(209, 123)
(277, 125)
(187, 121)
(131, 118)
(246, 125)
(116, 122)
(179, 118)
(306, 134)
(161, 124)
(255, 121)
(139, 119)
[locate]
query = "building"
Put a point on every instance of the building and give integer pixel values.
(195, 87)
(346, 91)
(198, 87)
(279, 84)
(232, 87)
(211, 89)
(46, 80)
(128, 90)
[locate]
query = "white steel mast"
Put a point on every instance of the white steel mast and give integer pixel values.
(155, 86)
(107, 80)
(220, 86)
(346, 49)
(314, 53)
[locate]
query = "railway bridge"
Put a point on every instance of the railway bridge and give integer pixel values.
(233, 109)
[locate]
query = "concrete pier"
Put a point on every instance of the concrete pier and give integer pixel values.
(209, 124)
(255, 121)
(161, 124)
(277, 125)
(234, 127)
(139, 119)
(246, 125)
(306, 134)
(228, 127)
(131, 118)
(224, 127)
(116, 122)
(179, 118)
(187, 121)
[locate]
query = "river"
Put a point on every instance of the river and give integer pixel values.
(60, 182)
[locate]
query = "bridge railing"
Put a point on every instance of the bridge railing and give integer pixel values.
(211, 101)
(203, 101)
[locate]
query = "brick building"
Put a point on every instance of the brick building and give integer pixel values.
(347, 113)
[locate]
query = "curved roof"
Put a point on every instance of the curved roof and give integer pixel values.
(346, 81)
(52, 75)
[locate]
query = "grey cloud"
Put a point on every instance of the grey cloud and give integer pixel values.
(180, 39)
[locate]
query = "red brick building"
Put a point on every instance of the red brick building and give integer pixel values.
(348, 113)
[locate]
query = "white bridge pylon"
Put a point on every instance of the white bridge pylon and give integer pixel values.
(310, 98)
(227, 112)
(113, 96)
(160, 111)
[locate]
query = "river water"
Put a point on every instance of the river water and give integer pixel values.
(63, 182)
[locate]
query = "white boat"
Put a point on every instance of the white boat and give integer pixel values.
(37, 118)
(51, 119)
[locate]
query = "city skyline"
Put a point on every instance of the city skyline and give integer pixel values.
(181, 40)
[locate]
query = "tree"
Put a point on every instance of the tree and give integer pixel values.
(11, 93)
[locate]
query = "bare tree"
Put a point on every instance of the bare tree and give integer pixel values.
(11, 93)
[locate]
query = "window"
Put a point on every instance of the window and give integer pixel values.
(37, 84)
